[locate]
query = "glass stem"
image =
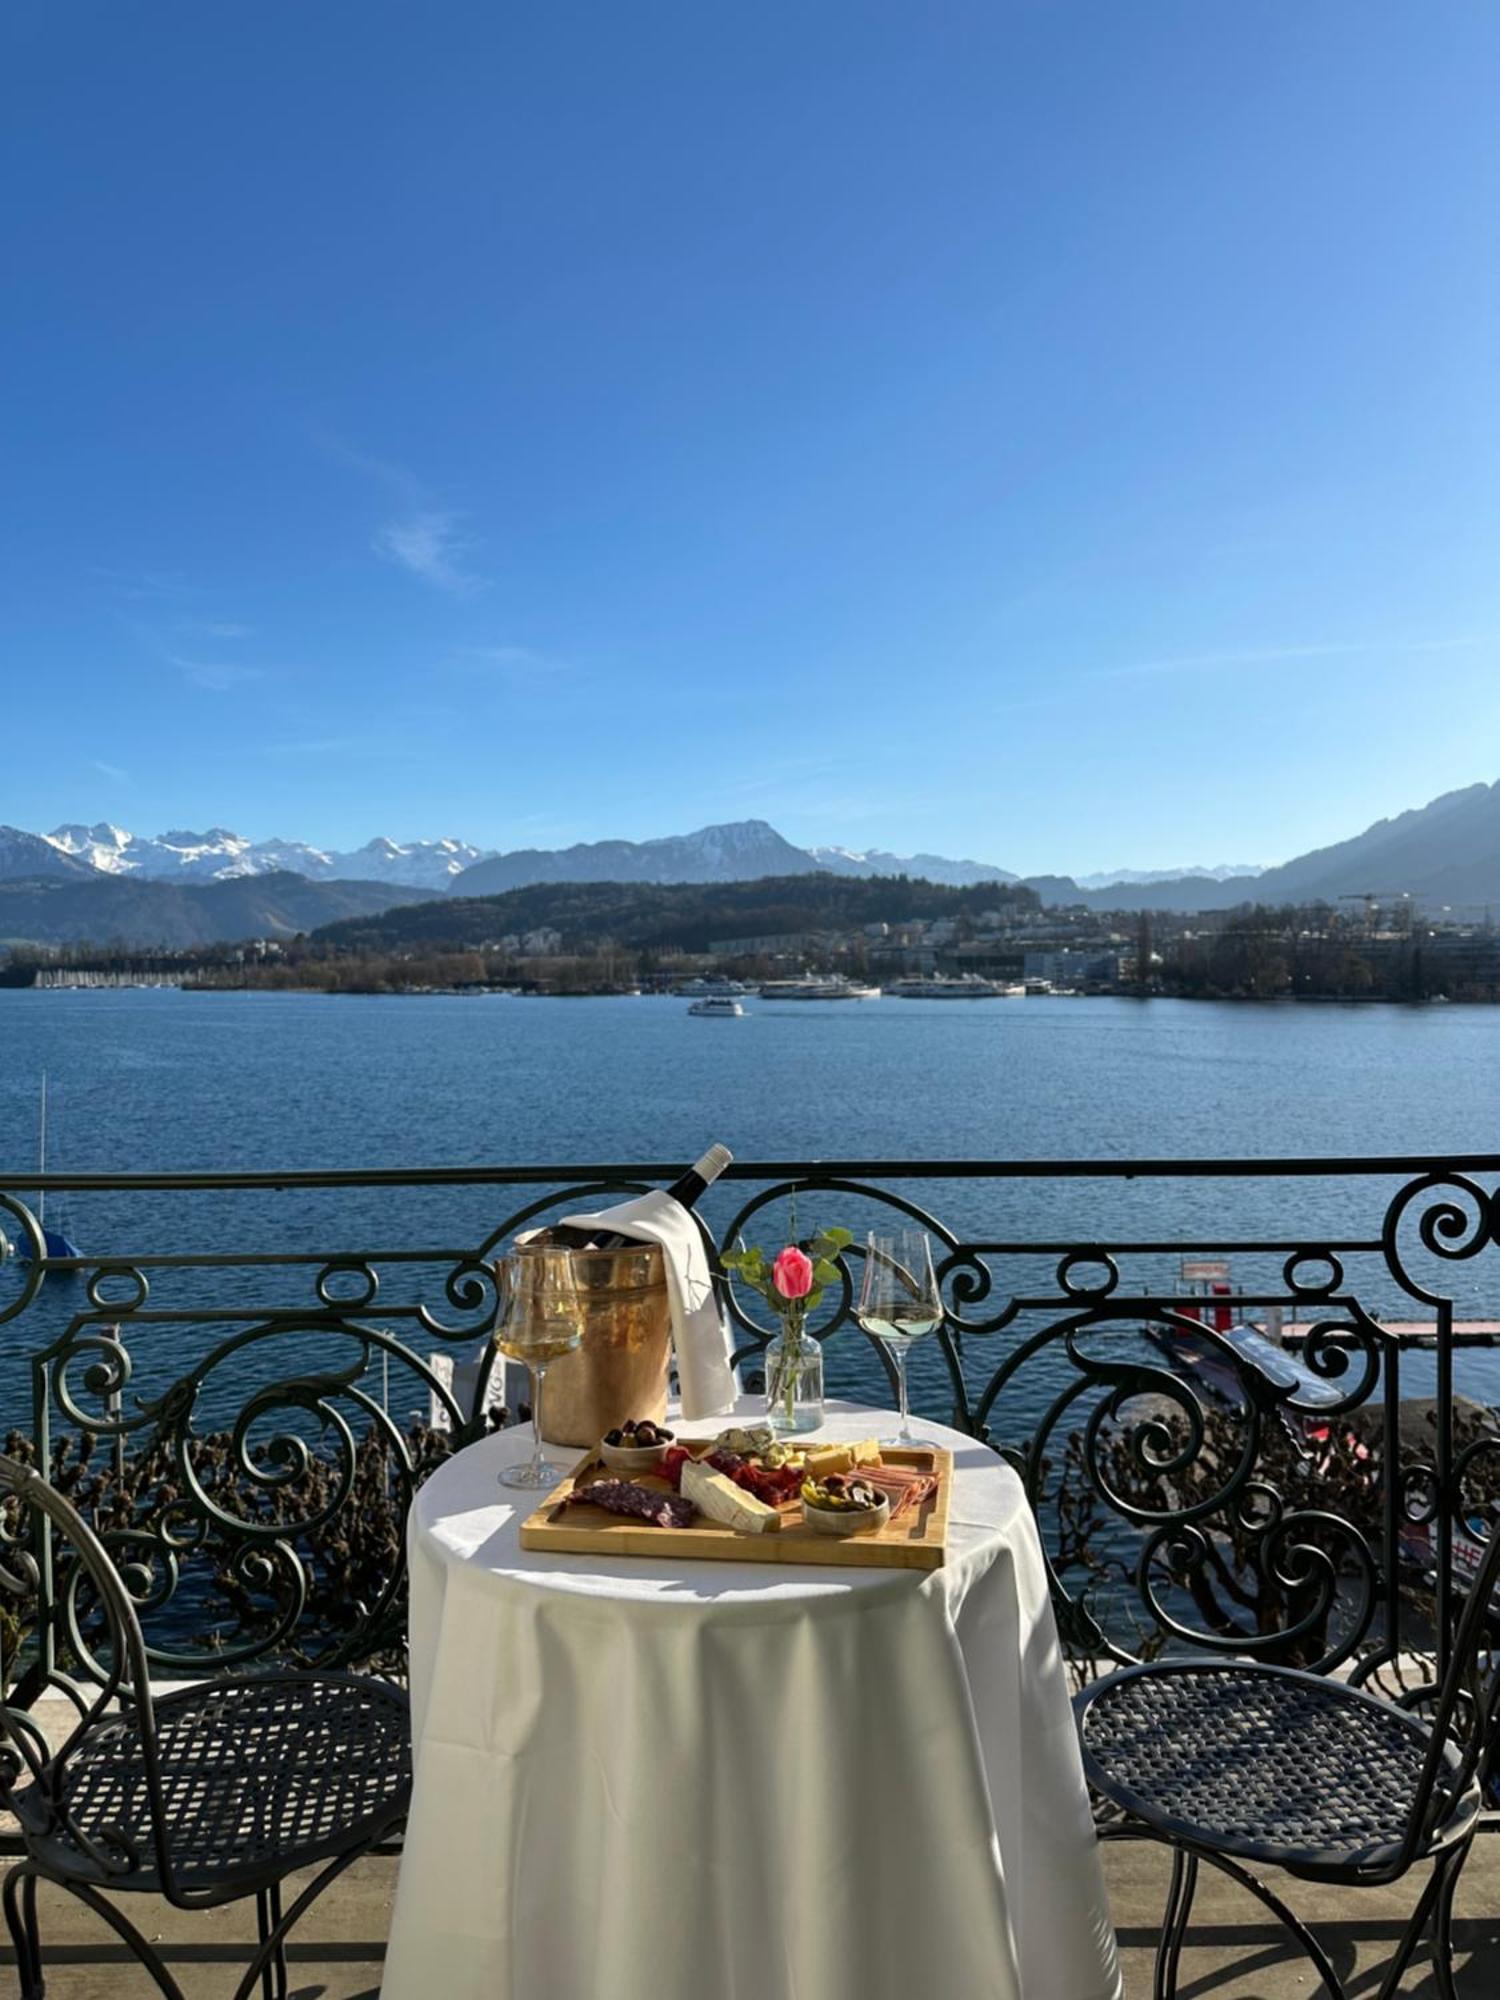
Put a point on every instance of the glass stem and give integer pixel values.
(538, 1373)
(899, 1358)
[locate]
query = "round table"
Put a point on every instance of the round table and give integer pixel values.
(642, 1779)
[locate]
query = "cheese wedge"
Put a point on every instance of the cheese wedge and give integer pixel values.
(721, 1500)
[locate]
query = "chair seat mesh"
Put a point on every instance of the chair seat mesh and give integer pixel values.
(258, 1775)
(1256, 1762)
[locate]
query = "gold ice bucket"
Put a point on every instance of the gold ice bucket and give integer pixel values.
(619, 1369)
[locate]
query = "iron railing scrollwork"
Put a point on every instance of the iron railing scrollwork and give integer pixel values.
(246, 1427)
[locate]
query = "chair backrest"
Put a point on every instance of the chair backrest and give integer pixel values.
(44, 1538)
(1466, 1712)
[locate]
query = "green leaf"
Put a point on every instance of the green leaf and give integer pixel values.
(825, 1273)
(836, 1240)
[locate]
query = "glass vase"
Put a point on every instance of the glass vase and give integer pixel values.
(794, 1385)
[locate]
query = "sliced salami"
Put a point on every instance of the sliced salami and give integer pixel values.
(628, 1496)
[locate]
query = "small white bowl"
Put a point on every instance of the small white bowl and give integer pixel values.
(846, 1520)
(632, 1457)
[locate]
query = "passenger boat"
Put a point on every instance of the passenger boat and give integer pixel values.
(967, 986)
(834, 988)
(718, 1007)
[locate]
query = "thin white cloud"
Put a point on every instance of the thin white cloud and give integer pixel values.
(1267, 656)
(424, 538)
(217, 676)
(113, 772)
(431, 547)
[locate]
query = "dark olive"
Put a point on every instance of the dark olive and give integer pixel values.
(614, 1437)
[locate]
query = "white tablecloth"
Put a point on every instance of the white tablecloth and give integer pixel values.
(669, 1780)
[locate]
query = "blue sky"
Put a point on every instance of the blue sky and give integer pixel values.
(1059, 433)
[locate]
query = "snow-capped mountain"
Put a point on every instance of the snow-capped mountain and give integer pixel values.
(1223, 871)
(417, 864)
(929, 867)
(30, 857)
(743, 851)
(221, 856)
(182, 856)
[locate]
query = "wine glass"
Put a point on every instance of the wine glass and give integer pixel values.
(899, 1303)
(539, 1317)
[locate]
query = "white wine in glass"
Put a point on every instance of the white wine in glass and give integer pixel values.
(899, 1304)
(540, 1317)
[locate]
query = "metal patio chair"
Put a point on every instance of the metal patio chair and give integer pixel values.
(1232, 1762)
(203, 1797)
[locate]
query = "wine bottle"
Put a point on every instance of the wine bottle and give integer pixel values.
(685, 1190)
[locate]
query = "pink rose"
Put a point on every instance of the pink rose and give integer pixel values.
(792, 1273)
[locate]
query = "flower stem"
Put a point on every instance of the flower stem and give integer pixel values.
(791, 1358)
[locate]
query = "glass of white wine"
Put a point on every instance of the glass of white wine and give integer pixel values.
(539, 1317)
(899, 1304)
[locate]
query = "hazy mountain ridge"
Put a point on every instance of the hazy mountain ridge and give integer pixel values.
(930, 867)
(740, 851)
(1223, 871)
(31, 857)
(145, 914)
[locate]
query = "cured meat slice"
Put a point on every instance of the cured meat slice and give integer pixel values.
(903, 1485)
(641, 1503)
(776, 1486)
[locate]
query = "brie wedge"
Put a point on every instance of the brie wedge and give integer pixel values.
(721, 1500)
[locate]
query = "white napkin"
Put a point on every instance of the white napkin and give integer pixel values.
(699, 1332)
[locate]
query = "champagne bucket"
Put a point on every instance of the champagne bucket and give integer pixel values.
(619, 1369)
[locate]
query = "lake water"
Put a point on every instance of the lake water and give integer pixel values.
(162, 1080)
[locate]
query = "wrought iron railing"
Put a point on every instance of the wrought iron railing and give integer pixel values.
(247, 1425)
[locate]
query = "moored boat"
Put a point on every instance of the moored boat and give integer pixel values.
(964, 986)
(836, 987)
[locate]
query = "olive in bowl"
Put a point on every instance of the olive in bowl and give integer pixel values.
(843, 1504)
(635, 1447)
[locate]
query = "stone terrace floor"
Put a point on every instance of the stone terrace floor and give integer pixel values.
(1234, 1951)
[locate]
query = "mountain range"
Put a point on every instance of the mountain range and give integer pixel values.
(221, 856)
(146, 915)
(743, 850)
(1446, 853)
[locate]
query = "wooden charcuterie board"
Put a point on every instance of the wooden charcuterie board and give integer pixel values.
(916, 1539)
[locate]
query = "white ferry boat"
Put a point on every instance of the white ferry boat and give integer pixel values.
(836, 988)
(718, 1007)
(704, 988)
(967, 987)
